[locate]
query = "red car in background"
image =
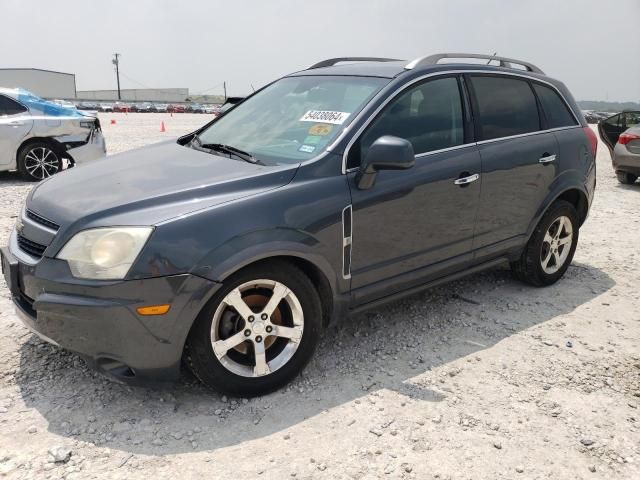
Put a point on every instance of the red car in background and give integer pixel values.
(176, 108)
(121, 107)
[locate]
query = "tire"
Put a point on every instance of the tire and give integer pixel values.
(38, 160)
(540, 265)
(626, 178)
(234, 368)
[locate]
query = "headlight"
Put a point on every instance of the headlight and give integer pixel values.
(87, 123)
(104, 253)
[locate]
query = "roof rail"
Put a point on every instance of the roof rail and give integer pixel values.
(332, 61)
(504, 61)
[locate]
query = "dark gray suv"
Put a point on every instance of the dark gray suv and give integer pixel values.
(329, 191)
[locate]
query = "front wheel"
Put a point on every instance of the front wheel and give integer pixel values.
(551, 247)
(258, 332)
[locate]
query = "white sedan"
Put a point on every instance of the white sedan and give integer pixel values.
(36, 135)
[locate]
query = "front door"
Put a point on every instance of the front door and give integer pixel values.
(417, 223)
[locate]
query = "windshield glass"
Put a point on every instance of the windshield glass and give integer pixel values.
(293, 119)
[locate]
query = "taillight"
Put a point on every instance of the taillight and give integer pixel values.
(593, 140)
(625, 138)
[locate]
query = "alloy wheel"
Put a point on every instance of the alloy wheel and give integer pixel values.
(257, 328)
(556, 245)
(41, 162)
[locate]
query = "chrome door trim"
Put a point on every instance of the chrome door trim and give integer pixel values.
(347, 241)
(404, 86)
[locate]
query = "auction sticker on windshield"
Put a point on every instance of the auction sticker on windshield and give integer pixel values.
(326, 116)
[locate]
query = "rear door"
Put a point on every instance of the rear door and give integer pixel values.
(15, 123)
(519, 161)
(611, 128)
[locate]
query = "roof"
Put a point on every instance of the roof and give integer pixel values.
(36, 69)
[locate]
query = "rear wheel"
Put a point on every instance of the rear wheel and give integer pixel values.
(551, 247)
(258, 332)
(38, 161)
(626, 178)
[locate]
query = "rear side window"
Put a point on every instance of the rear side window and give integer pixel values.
(10, 107)
(556, 111)
(506, 107)
(428, 115)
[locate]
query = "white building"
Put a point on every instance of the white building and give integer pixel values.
(44, 83)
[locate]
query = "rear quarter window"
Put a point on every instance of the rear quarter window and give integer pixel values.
(556, 112)
(506, 107)
(10, 107)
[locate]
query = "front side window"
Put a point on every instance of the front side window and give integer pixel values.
(556, 111)
(293, 119)
(428, 115)
(506, 106)
(10, 107)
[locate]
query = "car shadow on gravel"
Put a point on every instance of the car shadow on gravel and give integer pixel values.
(388, 351)
(10, 179)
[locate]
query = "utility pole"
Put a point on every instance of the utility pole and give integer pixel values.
(224, 85)
(116, 61)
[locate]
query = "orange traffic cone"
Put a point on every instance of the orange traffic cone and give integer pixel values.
(162, 129)
(113, 121)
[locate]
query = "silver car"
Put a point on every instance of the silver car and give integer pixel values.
(621, 134)
(37, 135)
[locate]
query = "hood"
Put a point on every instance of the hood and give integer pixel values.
(149, 185)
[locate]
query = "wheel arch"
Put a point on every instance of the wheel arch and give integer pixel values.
(56, 145)
(567, 189)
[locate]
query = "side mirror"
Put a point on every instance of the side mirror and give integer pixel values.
(386, 153)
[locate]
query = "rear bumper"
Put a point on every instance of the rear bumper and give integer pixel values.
(95, 148)
(99, 321)
(625, 161)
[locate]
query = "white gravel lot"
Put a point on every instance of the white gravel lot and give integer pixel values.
(480, 379)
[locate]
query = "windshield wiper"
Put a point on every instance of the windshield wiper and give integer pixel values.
(219, 147)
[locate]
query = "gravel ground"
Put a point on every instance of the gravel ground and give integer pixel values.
(482, 378)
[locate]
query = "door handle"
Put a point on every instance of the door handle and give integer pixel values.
(467, 180)
(15, 123)
(546, 158)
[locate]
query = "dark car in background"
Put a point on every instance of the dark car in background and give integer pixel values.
(145, 107)
(621, 134)
(330, 191)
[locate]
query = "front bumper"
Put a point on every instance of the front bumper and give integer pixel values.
(98, 319)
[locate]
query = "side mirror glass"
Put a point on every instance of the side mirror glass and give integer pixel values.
(386, 153)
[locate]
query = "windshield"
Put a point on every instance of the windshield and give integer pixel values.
(293, 119)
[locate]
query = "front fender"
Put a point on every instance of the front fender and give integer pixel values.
(240, 251)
